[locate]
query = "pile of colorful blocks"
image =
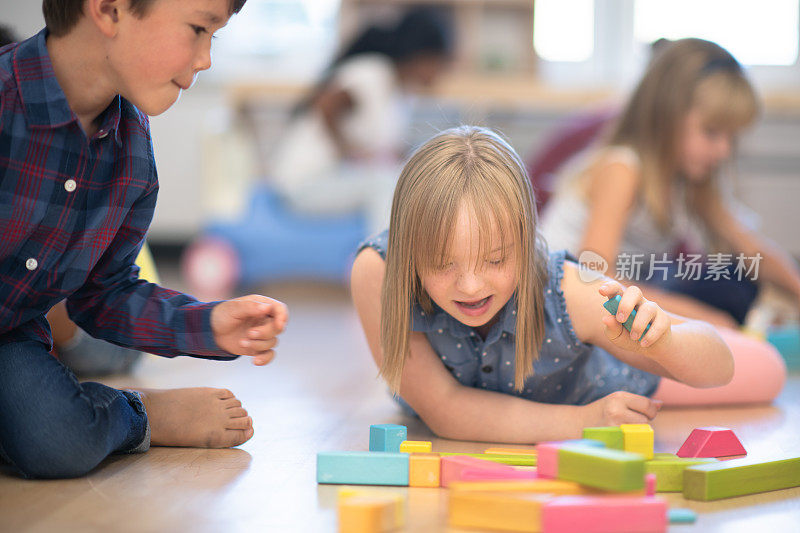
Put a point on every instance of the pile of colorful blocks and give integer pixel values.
(605, 482)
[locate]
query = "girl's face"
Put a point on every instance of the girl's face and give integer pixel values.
(471, 288)
(702, 148)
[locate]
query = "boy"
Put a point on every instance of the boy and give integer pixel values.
(77, 193)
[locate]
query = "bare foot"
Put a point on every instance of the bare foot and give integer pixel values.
(196, 417)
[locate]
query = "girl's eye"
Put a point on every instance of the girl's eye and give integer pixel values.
(444, 266)
(496, 262)
(199, 30)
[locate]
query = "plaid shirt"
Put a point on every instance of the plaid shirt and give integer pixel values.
(74, 212)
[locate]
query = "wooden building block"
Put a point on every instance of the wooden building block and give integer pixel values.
(416, 446)
(497, 511)
(363, 468)
(479, 474)
(386, 437)
(364, 514)
(543, 486)
(547, 460)
(638, 438)
(611, 436)
(681, 516)
(424, 470)
(398, 499)
(612, 305)
(737, 477)
(512, 460)
(668, 470)
(452, 466)
(510, 451)
(604, 514)
(601, 468)
(711, 441)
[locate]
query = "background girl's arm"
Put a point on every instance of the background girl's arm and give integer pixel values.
(332, 103)
(611, 197)
(775, 266)
(688, 351)
(454, 411)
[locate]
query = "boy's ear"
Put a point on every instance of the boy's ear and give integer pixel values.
(104, 14)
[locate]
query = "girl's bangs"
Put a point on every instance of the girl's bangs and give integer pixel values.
(727, 102)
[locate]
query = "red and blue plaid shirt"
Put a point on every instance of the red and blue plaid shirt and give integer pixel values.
(74, 212)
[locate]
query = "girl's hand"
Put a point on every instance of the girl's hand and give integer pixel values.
(647, 313)
(620, 408)
(249, 325)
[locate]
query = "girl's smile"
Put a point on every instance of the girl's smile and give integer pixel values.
(474, 307)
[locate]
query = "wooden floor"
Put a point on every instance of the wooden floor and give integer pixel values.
(321, 393)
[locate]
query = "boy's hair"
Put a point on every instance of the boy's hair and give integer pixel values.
(686, 74)
(60, 16)
(473, 165)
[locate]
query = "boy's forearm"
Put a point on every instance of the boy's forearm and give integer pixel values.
(695, 355)
(486, 416)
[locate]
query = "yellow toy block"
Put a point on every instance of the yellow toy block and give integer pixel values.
(511, 451)
(498, 511)
(542, 486)
(424, 470)
(398, 501)
(363, 514)
(415, 446)
(638, 439)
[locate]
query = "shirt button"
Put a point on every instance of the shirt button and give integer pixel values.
(31, 264)
(486, 369)
(102, 134)
(70, 185)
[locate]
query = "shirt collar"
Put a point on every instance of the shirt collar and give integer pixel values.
(42, 98)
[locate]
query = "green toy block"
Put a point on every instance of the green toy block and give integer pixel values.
(386, 437)
(513, 460)
(601, 468)
(612, 305)
(611, 436)
(669, 470)
(363, 468)
(738, 477)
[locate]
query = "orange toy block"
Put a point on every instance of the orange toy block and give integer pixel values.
(497, 511)
(424, 470)
(510, 451)
(366, 514)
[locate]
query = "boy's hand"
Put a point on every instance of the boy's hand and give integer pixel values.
(249, 326)
(647, 313)
(620, 408)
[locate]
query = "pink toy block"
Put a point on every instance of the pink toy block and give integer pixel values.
(547, 460)
(479, 474)
(604, 514)
(711, 441)
(454, 465)
(650, 484)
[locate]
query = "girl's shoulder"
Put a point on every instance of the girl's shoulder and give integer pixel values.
(377, 242)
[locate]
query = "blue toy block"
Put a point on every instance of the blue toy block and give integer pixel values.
(363, 468)
(681, 516)
(786, 340)
(585, 442)
(612, 305)
(386, 437)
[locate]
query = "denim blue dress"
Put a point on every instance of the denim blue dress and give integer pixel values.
(568, 371)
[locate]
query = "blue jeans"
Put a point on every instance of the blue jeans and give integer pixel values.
(52, 426)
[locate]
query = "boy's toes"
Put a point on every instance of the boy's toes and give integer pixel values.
(239, 436)
(224, 394)
(236, 412)
(244, 422)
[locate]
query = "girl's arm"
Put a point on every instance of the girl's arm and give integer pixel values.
(611, 198)
(332, 103)
(775, 265)
(688, 351)
(454, 411)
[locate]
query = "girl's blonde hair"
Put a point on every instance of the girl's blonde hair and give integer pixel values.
(473, 165)
(687, 74)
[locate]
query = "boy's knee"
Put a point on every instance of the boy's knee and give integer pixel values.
(51, 454)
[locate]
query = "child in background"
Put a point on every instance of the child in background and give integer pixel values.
(78, 188)
(654, 187)
(489, 337)
(341, 150)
